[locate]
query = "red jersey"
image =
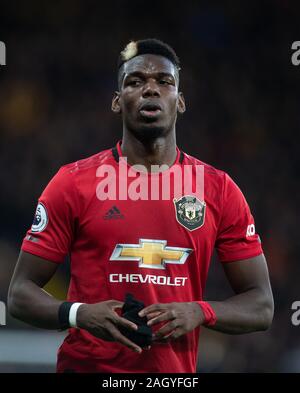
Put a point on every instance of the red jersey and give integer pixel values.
(158, 250)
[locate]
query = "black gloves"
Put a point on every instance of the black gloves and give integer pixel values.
(130, 310)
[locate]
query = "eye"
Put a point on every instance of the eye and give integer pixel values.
(165, 82)
(134, 82)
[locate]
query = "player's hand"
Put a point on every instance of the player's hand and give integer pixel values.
(102, 321)
(180, 319)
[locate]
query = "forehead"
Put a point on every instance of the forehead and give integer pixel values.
(149, 64)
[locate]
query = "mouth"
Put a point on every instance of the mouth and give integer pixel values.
(150, 110)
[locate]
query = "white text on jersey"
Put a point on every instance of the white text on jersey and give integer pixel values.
(147, 279)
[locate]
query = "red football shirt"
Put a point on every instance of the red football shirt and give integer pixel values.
(158, 250)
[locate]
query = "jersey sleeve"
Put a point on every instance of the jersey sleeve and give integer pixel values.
(52, 231)
(236, 237)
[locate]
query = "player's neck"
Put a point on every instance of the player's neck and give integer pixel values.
(154, 152)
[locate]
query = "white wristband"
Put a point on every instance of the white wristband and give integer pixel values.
(73, 314)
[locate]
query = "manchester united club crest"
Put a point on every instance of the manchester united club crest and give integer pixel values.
(190, 212)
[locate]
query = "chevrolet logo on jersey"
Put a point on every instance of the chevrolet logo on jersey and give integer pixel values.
(150, 253)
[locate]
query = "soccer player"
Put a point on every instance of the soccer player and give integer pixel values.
(158, 248)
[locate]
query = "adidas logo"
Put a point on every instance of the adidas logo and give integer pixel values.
(113, 214)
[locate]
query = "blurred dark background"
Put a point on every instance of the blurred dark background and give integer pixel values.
(242, 94)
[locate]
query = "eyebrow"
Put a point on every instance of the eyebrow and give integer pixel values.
(143, 75)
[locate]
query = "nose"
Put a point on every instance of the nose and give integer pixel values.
(151, 89)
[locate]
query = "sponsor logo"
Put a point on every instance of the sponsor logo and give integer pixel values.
(40, 220)
(113, 214)
(190, 212)
(150, 253)
(147, 279)
(250, 230)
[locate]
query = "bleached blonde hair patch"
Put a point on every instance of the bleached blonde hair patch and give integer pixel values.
(130, 51)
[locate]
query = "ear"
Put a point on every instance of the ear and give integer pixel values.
(181, 103)
(115, 104)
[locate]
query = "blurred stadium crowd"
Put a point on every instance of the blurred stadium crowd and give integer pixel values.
(242, 116)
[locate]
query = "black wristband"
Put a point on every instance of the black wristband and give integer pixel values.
(63, 315)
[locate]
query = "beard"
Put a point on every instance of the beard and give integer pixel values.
(148, 133)
(148, 130)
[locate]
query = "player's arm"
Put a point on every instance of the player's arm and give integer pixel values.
(252, 307)
(249, 310)
(29, 302)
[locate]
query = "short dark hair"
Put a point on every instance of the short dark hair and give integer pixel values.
(148, 46)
